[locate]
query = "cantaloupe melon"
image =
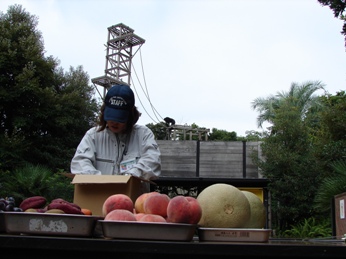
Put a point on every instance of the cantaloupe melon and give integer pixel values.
(258, 211)
(223, 206)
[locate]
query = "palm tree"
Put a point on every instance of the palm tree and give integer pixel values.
(331, 186)
(299, 96)
(35, 180)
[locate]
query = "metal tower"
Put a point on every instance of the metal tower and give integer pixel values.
(120, 43)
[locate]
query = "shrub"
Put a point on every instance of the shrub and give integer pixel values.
(309, 228)
(31, 180)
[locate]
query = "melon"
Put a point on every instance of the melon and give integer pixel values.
(223, 206)
(258, 211)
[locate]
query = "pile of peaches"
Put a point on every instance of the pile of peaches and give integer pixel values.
(152, 207)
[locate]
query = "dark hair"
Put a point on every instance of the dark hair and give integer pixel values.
(132, 120)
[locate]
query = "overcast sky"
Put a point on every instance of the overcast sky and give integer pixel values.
(202, 62)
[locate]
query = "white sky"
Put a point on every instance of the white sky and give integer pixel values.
(203, 62)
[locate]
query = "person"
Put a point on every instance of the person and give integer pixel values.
(117, 145)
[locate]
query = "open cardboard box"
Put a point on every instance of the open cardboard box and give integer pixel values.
(90, 191)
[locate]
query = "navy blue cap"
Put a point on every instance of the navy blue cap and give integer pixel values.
(119, 101)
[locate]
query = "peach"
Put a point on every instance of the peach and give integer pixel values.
(140, 201)
(117, 201)
(156, 204)
(184, 209)
(120, 215)
(138, 216)
(152, 218)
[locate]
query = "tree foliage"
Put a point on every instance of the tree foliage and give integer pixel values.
(300, 96)
(222, 135)
(333, 184)
(289, 164)
(330, 138)
(304, 152)
(159, 130)
(330, 148)
(44, 111)
(32, 180)
(253, 135)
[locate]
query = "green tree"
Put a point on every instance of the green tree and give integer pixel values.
(330, 136)
(290, 167)
(159, 130)
(330, 149)
(253, 135)
(222, 135)
(72, 110)
(25, 72)
(44, 112)
(300, 96)
(289, 163)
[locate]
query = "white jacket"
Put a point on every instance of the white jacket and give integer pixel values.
(102, 152)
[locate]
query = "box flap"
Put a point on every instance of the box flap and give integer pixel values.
(68, 175)
(100, 179)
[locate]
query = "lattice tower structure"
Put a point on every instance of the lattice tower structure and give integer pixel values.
(121, 42)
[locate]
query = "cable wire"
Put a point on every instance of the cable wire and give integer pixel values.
(146, 92)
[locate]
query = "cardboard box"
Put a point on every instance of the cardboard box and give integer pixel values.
(90, 191)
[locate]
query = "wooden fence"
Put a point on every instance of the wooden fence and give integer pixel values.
(220, 159)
